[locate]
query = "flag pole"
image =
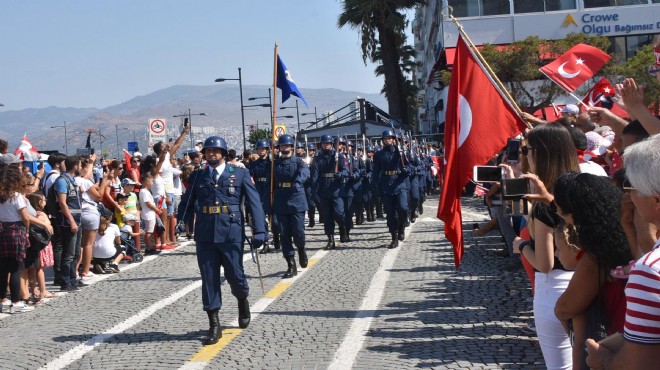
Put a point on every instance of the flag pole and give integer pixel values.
(486, 65)
(272, 130)
(568, 92)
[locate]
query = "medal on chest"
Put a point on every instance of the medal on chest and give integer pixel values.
(232, 188)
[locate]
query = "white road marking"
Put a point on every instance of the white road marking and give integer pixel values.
(354, 339)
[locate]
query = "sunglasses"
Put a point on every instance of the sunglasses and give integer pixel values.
(525, 150)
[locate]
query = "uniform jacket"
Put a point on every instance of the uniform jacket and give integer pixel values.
(233, 187)
(325, 183)
(291, 174)
(388, 160)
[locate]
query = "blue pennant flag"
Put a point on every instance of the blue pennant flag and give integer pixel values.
(286, 84)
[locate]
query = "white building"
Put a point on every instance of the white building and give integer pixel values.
(629, 24)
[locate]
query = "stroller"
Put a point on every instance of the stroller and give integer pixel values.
(128, 244)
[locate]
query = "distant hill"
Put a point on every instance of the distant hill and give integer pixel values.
(129, 120)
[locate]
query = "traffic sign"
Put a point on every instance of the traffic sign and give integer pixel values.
(279, 131)
(157, 125)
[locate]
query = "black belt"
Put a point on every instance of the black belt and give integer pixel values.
(262, 179)
(328, 174)
(391, 173)
(215, 209)
(284, 184)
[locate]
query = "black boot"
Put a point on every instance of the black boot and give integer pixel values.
(420, 209)
(359, 218)
(310, 214)
(401, 233)
(302, 257)
(413, 217)
(276, 241)
(292, 270)
(331, 243)
(395, 241)
(342, 234)
(215, 331)
(243, 313)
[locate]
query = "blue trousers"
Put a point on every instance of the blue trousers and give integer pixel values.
(70, 253)
(292, 227)
(396, 207)
(210, 257)
(332, 210)
(349, 211)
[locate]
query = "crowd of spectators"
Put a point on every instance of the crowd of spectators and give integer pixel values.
(590, 241)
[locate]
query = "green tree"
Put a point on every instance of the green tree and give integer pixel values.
(407, 63)
(637, 68)
(381, 24)
(258, 134)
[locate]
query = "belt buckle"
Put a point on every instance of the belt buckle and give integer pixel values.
(224, 209)
(213, 209)
(286, 185)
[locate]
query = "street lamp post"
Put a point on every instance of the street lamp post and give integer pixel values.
(117, 134)
(269, 97)
(189, 115)
(240, 88)
(297, 114)
(66, 142)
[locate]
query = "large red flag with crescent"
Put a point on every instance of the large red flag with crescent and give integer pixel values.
(478, 122)
(575, 66)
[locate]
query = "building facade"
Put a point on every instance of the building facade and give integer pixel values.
(629, 24)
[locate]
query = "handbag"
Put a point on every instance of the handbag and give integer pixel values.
(39, 237)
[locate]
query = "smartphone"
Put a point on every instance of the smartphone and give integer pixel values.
(513, 151)
(40, 165)
(91, 151)
(186, 122)
(515, 207)
(487, 174)
(515, 188)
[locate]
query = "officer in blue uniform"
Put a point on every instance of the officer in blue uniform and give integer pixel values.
(368, 197)
(260, 171)
(357, 182)
(216, 193)
(414, 166)
(391, 177)
(347, 191)
(328, 170)
(290, 203)
(311, 197)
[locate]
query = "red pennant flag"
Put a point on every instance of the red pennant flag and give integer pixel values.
(127, 158)
(26, 151)
(478, 123)
(600, 94)
(575, 66)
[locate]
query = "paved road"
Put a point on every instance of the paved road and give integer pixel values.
(361, 306)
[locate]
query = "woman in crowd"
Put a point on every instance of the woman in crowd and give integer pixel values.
(134, 172)
(14, 223)
(152, 166)
(45, 259)
(107, 252)
(592, 204)
(114, 187)
(550, 154)
(91, 195)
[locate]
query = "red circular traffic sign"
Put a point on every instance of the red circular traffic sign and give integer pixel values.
(157, 126)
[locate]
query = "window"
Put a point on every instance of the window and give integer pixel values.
(598, 3)
(619, 48)
(477, 8)
(529, 6)
(634, 43)
(552, 5)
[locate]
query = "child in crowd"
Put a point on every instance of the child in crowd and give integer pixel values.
(131, 207)
(120, 210)
(149, 212)
(38, 202)
(107, 252)
(128, 235)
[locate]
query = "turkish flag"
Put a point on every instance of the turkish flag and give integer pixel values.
(600, 95)
(127, 158)
(575, 66)
(26, 151)
(478, 122)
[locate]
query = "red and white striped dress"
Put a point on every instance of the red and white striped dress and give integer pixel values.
(643, 300)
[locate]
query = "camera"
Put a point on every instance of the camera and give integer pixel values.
(513, 151)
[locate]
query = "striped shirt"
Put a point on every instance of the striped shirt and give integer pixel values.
(643, 300)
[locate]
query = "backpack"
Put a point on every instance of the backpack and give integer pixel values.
(52, 204)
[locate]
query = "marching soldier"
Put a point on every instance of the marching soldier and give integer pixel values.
(215, 195)
(311, 197)
(414, 165)
(328, 170)
(300, 149)
(289, 203)
(260, 171)
(390, 174)
(346, 191)
(358, 183)
(368, 197)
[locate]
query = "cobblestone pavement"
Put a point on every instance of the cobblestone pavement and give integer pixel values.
(428, 315)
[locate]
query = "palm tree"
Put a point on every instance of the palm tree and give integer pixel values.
(381, 24)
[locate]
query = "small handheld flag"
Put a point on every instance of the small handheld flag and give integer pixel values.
(575, 66)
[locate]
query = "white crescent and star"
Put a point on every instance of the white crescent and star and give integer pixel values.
(465, 117)
(565, 74)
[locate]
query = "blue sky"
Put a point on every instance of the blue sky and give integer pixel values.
(74, 53)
